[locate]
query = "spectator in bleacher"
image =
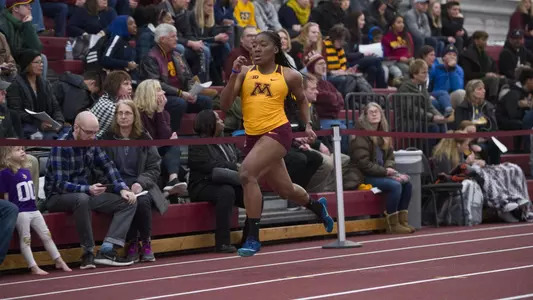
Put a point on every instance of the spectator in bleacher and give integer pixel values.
(452, 24)
(92, 18)
(266, 15)
(514, 111)
(310, 39)
(522, 18)
(165, 64)
(368, 63)
(150, 100)
(76, 93)
(294, 14)
(328, 13)
(373, 159)
(417, 23)
(244, 13)
(117, 86)
(197, 54)
(477, 64)
(214, 177)
(482, 113)
(216, 38)
(435, 23)
(30, 90)
(514, 55)
(140, 168)
(8, 67)
(68, 188)
(224, 12)
(8, 218)
(286, 45)
(117, 52)
(244, 49)
(446, 82)
(376, 15)
(398, 51)
(15, 24)
(146, 18)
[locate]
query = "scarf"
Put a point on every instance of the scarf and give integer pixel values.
(302, 14)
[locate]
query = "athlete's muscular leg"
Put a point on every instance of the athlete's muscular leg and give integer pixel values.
(265, 153)
(278, 179)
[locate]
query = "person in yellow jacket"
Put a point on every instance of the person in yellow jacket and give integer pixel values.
(244, 13)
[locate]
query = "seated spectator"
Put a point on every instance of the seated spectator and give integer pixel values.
(435, 23)
(69, 189)
(92, 18)
(367, 63)
(30, 90)
(482, 113)
(224, 12)
(310, 39)
(214, 177)
(398, 51)
(8, 67)
(376, 15)
(165, 64)
(446, 82)
(117, 86)
(8, 218)
(150, 100)
(244, 13)
(452, 24)
(286, 45)
(15, 24)
(522, 18)
(118, 54)
(417, 23)
(293, 15)
(514, 55)
(477, 64)
(328, 13)
(373, 160)
(76, 93)
(266, 15)
(244, 49)
(140, 168)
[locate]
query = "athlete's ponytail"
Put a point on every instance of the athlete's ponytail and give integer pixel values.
(280, 57)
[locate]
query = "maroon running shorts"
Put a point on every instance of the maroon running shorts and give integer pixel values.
(281, 134)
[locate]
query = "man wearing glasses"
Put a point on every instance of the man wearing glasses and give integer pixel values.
(68, 188)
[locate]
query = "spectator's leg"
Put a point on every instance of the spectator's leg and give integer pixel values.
(374, 72)
(34, 171)
(37, 16)
(122, 212)
(180, 48)
(171, 160)
(202, 102)
(459, 44)
(404, 68)
(204, 74)
(442, 102)
(121, 6)
(8, 218)
(322, 176)
(405, 198)
(418, 42)
(23, 230)
(392, 190)
(194, 60)
(39, 226)
(78, 204)
(141, 225)
(59, 12)
(176, 107)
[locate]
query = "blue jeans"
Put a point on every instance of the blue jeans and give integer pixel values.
(328, 123)
(59, 12)
(37, 15)
(121, 6)
(8, 217)
(170, 159)
(375, 74)
(199, 62)
(442, 101)
(177, 106)
(398, 194)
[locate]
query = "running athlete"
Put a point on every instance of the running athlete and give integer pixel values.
(263, 88)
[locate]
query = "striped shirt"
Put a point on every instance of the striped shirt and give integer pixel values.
(335, 58)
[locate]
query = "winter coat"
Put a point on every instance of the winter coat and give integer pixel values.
(449, 80)
(509, 57)
(508, 109)
(73, 95)
(465, 111)
(475, 63)
(329, 100)
(19, 35)
(410, 86)
(326, 15)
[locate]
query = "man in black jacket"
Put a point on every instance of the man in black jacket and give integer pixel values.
(75, 93)
(452, 24)
(327, 14)
(514, 54)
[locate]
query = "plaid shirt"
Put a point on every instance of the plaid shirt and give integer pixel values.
(69, 168)
(104, 110)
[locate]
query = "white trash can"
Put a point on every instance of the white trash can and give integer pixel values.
(410, 163)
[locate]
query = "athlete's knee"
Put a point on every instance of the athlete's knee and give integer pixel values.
(246, 175)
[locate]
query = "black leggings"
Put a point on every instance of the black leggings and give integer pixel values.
(141, 225)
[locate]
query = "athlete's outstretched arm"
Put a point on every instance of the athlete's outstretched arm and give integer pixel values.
(295, 82)
(233, 87)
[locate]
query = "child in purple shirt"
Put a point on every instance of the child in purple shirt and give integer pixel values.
(16, 186)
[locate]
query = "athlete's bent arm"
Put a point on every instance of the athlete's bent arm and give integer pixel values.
(295, 83)
(233, 87)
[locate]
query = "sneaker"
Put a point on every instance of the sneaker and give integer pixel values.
(226, 249)
(175, 187)
(249, 248)
(508, 217)
(133, 251)
(87, 261)
(111, 258)
(510, 206)
(146, 252)
(328, 221)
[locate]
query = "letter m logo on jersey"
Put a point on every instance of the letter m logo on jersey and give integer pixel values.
(262, 88)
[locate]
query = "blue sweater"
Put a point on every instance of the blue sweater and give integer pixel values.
(441, 79)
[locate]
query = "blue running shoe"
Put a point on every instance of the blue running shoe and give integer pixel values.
(328, 221)
(249, 248)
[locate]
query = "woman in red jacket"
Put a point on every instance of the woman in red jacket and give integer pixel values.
(398, 50)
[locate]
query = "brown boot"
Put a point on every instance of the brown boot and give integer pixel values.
(402, 219)
(393, 225)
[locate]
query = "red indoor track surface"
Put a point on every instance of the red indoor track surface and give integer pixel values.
(482, 262)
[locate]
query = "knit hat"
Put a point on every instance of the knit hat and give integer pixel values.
(448, 49)
(12, 3)
(311, 62)
(25, 57)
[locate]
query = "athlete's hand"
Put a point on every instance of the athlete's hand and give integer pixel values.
(238, 63)
(311, 135)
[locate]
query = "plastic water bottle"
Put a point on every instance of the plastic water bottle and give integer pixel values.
(68, 51)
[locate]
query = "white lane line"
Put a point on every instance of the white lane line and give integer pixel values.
(265, 266)
(518, 297)
(258, 254)
(417, 282)
(335, 273)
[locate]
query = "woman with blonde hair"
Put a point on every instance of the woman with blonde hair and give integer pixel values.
(372, 158)
(286, 45)
(309, 40)
(150, 100)
(522, 19)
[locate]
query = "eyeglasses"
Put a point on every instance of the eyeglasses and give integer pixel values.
(88, 132)
(124, 113)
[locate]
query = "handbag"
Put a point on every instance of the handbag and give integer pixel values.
(225, 176)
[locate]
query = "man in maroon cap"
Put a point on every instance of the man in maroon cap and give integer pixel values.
(15, 24)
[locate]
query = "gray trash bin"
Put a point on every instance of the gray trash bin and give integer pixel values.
(410, 163)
